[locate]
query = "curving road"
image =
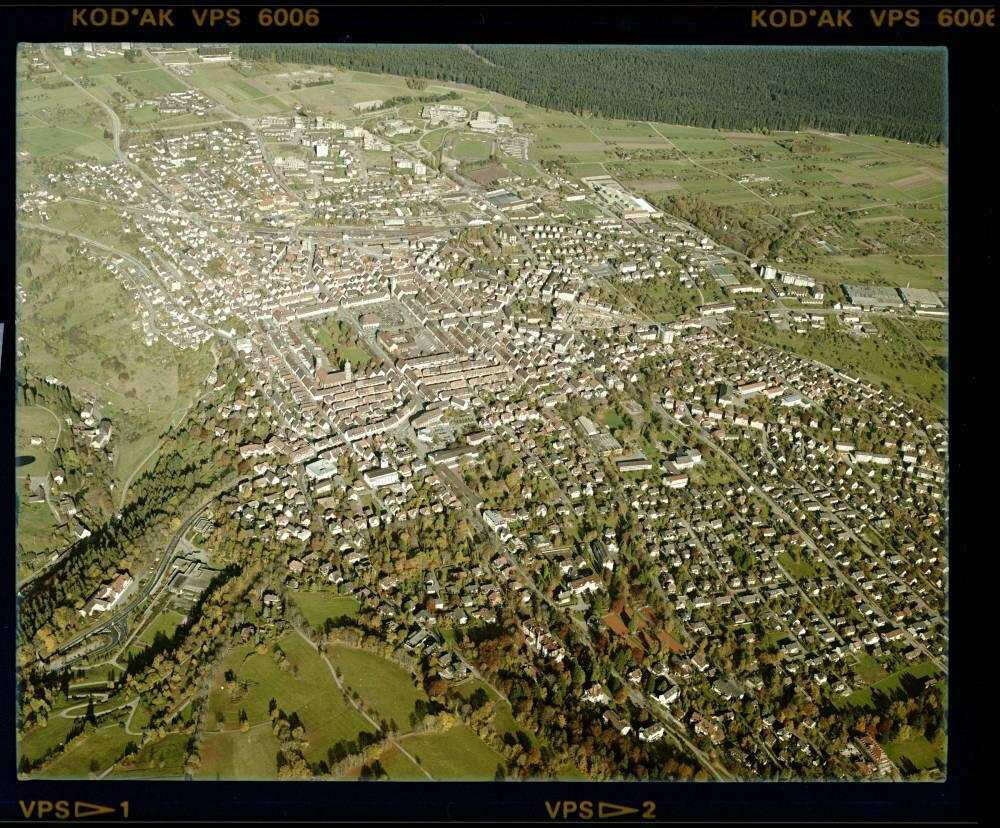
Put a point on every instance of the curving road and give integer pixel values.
(117, 624)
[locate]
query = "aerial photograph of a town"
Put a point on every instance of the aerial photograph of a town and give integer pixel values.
(481, 412)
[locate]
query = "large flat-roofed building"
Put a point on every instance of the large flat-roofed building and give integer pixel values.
(616, 195)
(376, 478)
(873, 296)
(322, 469)
(635, 464)
(920, 298)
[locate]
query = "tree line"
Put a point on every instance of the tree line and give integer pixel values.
(897, 93)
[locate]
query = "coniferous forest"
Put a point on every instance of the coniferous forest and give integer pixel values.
(897, 93)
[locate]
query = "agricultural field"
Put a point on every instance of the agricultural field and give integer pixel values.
(150, 83)
(78, 67)
(45, 140)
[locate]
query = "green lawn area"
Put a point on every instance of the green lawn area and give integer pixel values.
(800, 568)
(100, 672)
(307, 689)
(242, 756)
(386, 687)
(918, 751)
(95, 752)
(869, 669)
(458, 753)
(339, 342)
(36, 528)
(166, 623)
(611, 418)
(38, 741)
(318, 607)
(470, 150)
(430, 141)
(141, 717)
(878, 680)
(163, 759)
(398, 767)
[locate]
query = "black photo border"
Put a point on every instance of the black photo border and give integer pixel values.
(972, 106)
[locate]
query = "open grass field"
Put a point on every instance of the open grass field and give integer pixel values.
(458, 753)
(879, 681)
(398, 766)
(93, 753)
(340, 343)
(39, 741)
(100, 672)
(46, 140)
(882, 269)
(318, 607)
(141, 717)
(386, 687)
(917, 751)
(107, 65)
(305, 688)
(36, 421)
(800, 568)
(37, 529)
(162, 759)
(470, 149)
(152, 83)
(244, 756)
(164, 624)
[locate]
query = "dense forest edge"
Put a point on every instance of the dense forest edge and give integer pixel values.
(895, 93)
